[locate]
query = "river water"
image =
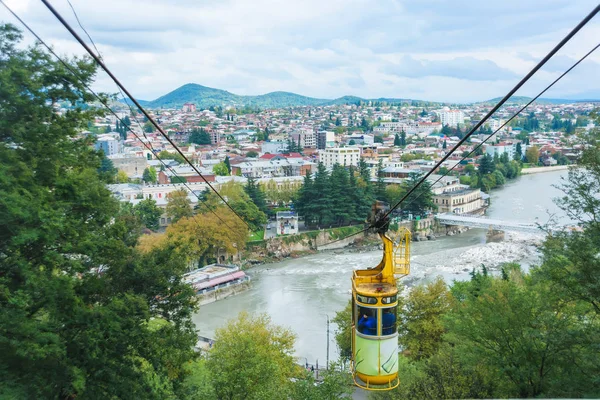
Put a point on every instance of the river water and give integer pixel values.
(300, 293)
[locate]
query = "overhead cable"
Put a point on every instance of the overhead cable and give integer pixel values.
(138, 105)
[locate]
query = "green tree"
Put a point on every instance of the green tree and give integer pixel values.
(165, 155)
(148, 127)
(197, 383)
(420, 324)
(343, 332)
(532, 155)
(380, 185)
(252, 359)
(239, 200)
(523, 332)
(397, 140)
(221, 169)
(252, 154)
(570, 259)
(79, 304)
(255, 193)
(107, 170)
(149, 175)
(121, 177)
(200, 136)
(402, 138)
(486, 164)
(303, 201)
(420, 200)
(228, 165)
(336, 383)
(321, 205)
(148, 213)
(339, 190)
(179, 205)
(499, 177)
(352, 142)
(518, 152)
(444, 145)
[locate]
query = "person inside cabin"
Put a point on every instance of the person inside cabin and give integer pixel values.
(388, 321)
(367, 325)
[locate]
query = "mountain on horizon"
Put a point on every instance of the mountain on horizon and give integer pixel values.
(524, 99)
(205, 97)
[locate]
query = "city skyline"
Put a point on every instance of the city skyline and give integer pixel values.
(460, 52)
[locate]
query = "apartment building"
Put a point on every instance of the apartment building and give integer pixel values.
(340, 155)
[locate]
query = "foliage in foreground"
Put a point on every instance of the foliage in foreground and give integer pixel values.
(79, 304)
(252, 358)
(517, 334)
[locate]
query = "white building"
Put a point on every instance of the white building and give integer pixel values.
(340, 155)
(287, 223)
(504, 147)
(451, 117)
(109, 143)
(325, 139)
(189, 107)
(274, 147)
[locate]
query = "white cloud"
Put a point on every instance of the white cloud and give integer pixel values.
(431, 49)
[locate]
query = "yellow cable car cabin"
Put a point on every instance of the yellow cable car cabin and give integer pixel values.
(374, 303)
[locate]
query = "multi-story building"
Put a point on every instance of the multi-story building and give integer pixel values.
(325, 139)
(340, 155)
(189, 107)
(275, 167)
(274, 147)
(509, 148)
(451, 117)
(215, 137)
(451, 197)
(132, 164)
(110, 143)
(306, 138)
(411, 128)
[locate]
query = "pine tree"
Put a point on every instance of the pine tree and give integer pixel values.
(257, 195)
(519, 152)
(380, 187)
(322, 200)
(397, 140)
(303, 201)
(402, 138)
(444, 145)
(486, 164)
(340, 192)
(228, 164)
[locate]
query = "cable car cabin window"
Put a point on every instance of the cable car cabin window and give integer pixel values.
(389, 300)
(366, 299)
(367, 320)
(388, 321)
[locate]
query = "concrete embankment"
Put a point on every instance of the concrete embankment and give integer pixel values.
(330, 239)
(312, 241)
(539, 170)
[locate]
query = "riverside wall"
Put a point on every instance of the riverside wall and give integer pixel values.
(329, 239)
(538, 170)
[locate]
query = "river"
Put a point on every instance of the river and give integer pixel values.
(300, 293)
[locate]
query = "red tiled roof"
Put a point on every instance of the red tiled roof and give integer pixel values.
(219, 280)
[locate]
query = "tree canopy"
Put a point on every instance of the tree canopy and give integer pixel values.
(78, 301)
(179, 205)
(340, 198)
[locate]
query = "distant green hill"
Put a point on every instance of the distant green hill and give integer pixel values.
(525, 99)
(205, 97)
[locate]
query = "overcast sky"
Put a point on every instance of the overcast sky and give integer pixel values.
(439, 50)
